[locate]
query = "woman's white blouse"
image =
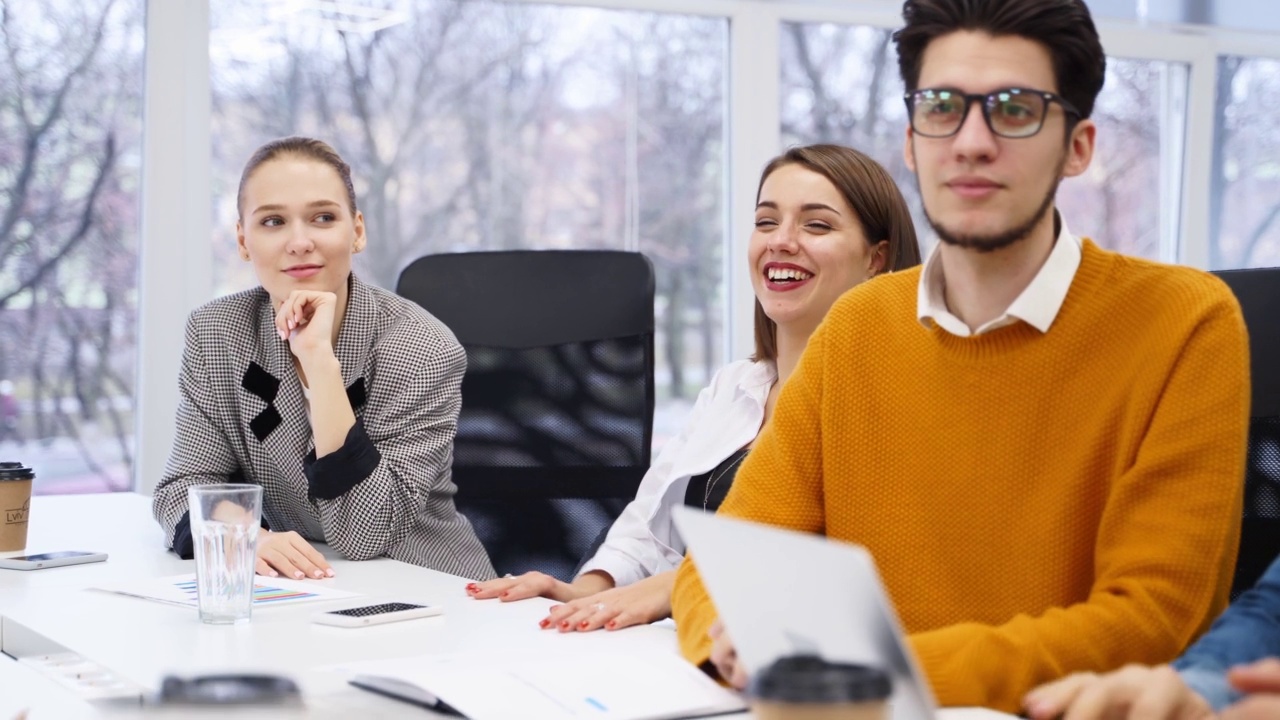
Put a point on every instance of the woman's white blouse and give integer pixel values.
(727, 415)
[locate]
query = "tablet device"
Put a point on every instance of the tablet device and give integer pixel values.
(752, 572)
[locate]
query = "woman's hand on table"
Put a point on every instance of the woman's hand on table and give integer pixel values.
(535, 584)
(288, 554)
(639, 603)
(522, 587)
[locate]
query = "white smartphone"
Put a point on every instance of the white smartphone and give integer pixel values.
(387, 612)
(51, 559)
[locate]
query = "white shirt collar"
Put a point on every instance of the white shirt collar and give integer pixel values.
(758, 380)
(1038, 304)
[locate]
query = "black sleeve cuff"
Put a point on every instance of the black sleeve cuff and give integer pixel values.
(336, 473)
(182, 544)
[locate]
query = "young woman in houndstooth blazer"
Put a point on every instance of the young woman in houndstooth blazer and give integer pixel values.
(340, 399)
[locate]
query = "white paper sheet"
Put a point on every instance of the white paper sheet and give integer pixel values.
(267, 592)
(550, 686)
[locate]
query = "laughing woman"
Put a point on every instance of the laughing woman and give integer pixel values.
(340, 399)
(826, 218)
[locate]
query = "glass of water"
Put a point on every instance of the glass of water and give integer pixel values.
(224, 529)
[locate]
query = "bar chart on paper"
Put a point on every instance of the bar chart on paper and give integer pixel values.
(262, 594)
(181, 590)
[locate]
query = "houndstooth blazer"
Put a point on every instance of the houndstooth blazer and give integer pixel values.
(388, 491)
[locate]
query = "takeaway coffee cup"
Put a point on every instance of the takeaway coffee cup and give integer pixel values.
(15, 503)
(806, 687)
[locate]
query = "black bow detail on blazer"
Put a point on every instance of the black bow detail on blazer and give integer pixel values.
(266, 386)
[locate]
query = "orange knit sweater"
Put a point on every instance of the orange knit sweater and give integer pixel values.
(1037, 504)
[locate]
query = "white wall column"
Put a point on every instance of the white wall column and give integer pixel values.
(176, 273)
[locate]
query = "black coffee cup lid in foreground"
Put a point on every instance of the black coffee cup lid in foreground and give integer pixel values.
(15, 471)
(810, 679)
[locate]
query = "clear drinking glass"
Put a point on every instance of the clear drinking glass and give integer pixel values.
(224, 529)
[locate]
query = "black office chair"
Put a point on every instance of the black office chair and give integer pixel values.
(1259, 294)
(557, 400)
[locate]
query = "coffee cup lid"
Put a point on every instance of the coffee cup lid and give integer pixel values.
(810, 679)
(15, 471)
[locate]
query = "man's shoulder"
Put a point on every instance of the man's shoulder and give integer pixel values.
(892, 295)
(1182, 289)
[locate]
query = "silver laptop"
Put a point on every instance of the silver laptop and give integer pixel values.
(781, 592)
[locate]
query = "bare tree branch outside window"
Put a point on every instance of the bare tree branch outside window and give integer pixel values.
(477, 125)
(70, 127)
(840, 84)
(1245, 196)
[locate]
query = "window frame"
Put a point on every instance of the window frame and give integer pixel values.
(177, 216)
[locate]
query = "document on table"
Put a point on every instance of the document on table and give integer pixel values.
(181, 590)
(550, 686)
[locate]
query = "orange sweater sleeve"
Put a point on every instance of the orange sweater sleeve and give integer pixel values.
(780, 483)
(1152, 594)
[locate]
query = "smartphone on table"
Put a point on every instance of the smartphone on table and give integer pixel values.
(37, 561)
(377, 614)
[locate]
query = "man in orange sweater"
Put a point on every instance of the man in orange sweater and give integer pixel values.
(1041, 442)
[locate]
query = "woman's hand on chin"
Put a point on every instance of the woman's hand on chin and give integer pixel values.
(305, 319)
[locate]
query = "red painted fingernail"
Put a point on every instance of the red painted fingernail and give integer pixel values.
(611, 624)
(564, 624)
(544, 624)
(505, 593)
(583, 624)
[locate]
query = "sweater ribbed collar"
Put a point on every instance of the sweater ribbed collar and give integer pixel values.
(1037, 305)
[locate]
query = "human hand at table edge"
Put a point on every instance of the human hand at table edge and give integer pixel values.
(643, 602)
(724, 657)
(288, 554)
(1261, 681)
(1134, 691)
(535, 584)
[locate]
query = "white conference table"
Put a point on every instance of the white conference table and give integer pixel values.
(53, 611)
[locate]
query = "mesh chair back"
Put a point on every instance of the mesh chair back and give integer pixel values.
(557, 400)
(1259, 294)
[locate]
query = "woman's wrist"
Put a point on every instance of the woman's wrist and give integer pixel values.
(319, 365)
(590, 583)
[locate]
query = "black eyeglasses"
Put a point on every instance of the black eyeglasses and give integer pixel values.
(1009, 112)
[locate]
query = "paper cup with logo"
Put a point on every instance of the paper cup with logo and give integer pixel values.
(807, 687)
(15, 503)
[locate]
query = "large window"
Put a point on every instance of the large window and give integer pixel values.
(70, 128)
(841, 84)
(1244, 204)
(482, 125)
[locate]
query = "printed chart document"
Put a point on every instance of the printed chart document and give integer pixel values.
(548, 686)
(181, 590)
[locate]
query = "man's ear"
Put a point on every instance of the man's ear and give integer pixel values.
(1080, 148)
(909, 150)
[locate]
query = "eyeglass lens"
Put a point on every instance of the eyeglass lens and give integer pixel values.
(1009, 113)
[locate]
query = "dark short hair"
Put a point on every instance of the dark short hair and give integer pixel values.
(870, 193)
(1064, 27)
(305, 147)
